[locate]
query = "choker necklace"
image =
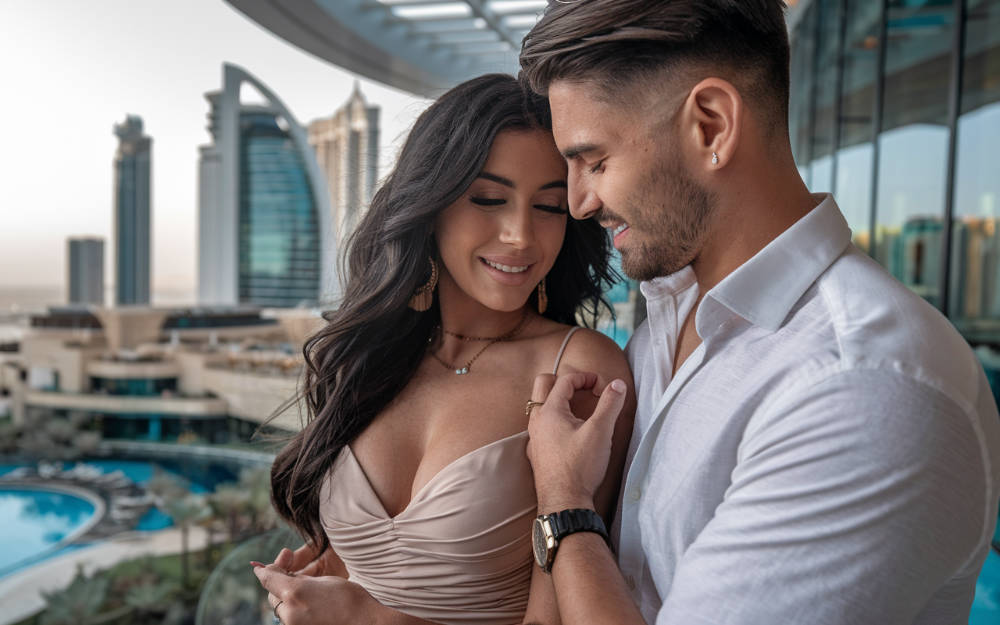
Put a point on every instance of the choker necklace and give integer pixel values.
(491, 340)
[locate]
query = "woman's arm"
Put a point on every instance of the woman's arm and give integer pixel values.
(593, 352)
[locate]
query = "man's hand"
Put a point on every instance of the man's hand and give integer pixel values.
(569, 456)
(309, 600)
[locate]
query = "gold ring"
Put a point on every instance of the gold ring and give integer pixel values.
(275, 610)
(531, 404)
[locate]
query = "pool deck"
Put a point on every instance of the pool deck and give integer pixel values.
(21, 592)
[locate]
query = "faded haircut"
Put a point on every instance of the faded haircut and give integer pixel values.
(621, 45)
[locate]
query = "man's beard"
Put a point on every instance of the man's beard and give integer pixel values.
(672, 213)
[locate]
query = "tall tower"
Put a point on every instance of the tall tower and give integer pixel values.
(85, 270)
(346, 146)
(132, 213)
(265, 237)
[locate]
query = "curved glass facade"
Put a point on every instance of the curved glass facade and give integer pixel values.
(279, 234)
(895, 104)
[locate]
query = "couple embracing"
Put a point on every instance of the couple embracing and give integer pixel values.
(791, 436)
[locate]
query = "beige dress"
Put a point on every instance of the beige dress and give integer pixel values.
(460, 552)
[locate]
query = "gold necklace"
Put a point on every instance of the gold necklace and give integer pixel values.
(491, 341)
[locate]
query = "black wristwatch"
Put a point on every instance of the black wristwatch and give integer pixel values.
(549, 529)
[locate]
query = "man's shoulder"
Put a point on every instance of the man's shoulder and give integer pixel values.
(874, 322)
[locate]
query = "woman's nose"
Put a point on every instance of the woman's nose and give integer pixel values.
(518, 227)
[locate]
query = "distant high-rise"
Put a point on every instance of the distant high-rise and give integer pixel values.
(85, 270)
(265, 235)
(346, 147)
(133, 186)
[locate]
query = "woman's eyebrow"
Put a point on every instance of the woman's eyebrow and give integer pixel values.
(555, 184)
(499, 179)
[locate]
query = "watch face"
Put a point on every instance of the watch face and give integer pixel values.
(538, 543)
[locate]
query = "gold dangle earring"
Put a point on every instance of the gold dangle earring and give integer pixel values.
(423, 297)
(543, 298)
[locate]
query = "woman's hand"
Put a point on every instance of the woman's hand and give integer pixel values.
(303, 561)
(312, 600)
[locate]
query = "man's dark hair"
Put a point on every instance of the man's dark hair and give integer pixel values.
(620, 44)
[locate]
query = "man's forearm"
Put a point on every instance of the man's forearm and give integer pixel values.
(589, 587)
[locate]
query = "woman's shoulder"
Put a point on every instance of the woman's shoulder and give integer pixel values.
(589, 350)
(582, 349)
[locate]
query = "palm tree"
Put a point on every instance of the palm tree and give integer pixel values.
(229, 502)
(256, 482)
(151, 599)
(78, 603)
(185, 511)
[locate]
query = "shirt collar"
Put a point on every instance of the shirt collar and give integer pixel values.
(764, 289)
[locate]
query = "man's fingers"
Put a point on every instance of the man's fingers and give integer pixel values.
(569, 383)
(602, 421)
(543, 384)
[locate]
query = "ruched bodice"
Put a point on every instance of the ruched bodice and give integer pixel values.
(459, 553)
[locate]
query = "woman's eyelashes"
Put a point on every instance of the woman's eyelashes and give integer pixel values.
(491, 202)
(487, 201)
(558, 210)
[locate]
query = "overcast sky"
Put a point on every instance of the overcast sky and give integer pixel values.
(71, 69)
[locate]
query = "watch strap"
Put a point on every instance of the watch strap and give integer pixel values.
(575, 520)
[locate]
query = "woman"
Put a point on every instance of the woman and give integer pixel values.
(466, 277)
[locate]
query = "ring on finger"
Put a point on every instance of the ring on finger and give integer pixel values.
(531, 404)
(277, 619)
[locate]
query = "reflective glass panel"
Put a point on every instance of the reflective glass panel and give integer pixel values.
(825, 96)
(853, 186)
(975, 279)
(913, 146)
(800, 98)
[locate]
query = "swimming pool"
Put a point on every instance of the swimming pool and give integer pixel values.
(37, 521)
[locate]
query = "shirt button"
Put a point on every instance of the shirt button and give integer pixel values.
(630, 582)
(636, 493)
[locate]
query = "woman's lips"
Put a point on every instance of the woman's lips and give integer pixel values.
(508, 272)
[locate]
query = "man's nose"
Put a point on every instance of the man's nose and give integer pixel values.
(583, 202)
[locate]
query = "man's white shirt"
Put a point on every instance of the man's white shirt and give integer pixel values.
(829, 454)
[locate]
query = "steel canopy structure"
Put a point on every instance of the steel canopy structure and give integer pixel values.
(420, 46)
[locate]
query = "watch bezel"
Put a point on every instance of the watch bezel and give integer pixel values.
(543, 541)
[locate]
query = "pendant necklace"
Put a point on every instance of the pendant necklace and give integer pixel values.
(490, 341)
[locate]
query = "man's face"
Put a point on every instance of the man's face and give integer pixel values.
(626, 169)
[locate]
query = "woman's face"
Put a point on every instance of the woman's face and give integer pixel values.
(499, 240)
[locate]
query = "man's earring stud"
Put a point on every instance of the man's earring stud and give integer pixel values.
(715, 158)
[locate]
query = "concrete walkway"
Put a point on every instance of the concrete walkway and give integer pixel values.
(21, 592)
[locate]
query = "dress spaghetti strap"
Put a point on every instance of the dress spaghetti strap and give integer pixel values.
(562, 349)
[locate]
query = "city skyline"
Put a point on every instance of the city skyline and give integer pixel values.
(81, 68)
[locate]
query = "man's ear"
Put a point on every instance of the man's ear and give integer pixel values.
(711, 120)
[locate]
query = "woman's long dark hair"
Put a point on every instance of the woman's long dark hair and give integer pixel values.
(373, 343)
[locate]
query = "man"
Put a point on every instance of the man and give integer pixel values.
(813, 442)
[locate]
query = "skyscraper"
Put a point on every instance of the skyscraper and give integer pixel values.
(265, 236)
(85, 270)
(132, 213)
(346, 147)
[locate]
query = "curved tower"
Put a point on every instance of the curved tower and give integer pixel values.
(265, 236)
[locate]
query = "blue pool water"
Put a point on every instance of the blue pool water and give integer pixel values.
(35, 521)
(986, 606)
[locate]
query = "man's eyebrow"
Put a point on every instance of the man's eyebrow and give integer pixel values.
(499, 179)
(576, 150)
(555, 184)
